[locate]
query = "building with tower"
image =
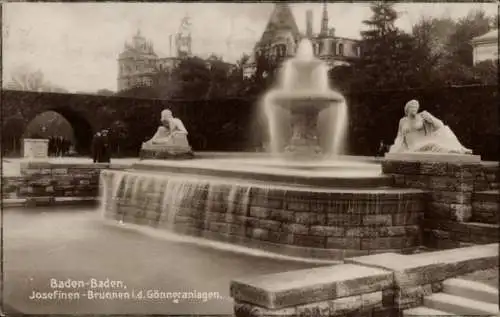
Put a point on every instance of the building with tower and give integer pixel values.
(281, 37)
(138, 63)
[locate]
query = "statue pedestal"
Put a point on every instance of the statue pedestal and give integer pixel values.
(37, 149)
(177, 147)
(433, 157)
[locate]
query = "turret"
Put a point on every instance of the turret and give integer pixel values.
(324, 21)
(309, 24)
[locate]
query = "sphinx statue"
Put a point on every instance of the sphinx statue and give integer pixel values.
(169, 141)
(422, 132)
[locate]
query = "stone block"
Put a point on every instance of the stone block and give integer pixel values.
(258, 233)
(451, 184)
(387, 243)
(282, 215)
(295, 228)
(319, 205)
(453, 197)
(309, 241)
(220, 227)
(298, 205)
(280, 237)
(302, 287)
(463, 170)
(417, 181)
(327, 231)
(410, 218)
(344, 219)
(248, 310)
(412, 296)
(434, 168)
(259, 212)
(346, 306)
(377, 220)
(460, 212)
(268, 224)
(343, 243)
(310, 218)
(438, 210)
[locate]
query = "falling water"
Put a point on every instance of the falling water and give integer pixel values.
(305, 77)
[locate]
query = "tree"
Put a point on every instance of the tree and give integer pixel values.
(476, 23)
(25, 79)
(219, 77)
(387, 52)
(486, 72)
(191, 78)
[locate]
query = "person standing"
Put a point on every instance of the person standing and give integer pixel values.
(97, 147)
(106, 153)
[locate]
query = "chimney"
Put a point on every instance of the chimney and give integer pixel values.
(309, 23)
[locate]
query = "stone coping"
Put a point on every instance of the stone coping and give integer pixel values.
(395, 262)
(304, 286)
(433, 157)
(56, 201)
(361, 275)
(389, 193)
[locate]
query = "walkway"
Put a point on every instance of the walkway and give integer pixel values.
(45, 244)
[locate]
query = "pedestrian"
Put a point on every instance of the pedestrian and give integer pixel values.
(382, 148)
(106, 151)
(97, 147)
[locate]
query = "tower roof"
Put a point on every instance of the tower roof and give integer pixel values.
(281, 18)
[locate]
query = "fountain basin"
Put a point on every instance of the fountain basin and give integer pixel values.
(337, 174)
(293, 214)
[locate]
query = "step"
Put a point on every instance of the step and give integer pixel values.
(425, 311)
(460, 305)
(471, 290)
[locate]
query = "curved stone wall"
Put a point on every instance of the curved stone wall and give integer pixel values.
(291, 220)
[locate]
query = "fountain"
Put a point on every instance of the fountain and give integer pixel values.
(304, 93)
(301, 206)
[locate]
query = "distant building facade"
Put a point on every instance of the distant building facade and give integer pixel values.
(281, 37)
(138, 64)
(485, 47)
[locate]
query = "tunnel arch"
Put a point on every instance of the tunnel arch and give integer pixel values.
(82, 128)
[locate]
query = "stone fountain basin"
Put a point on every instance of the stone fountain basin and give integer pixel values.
(328, 173)
(305, 98)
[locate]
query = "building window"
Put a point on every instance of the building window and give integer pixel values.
(320, 47)
(341, 49)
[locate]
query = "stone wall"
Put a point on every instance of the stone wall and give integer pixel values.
(44, 183)
(453, 187)
(374, 285)
(295, 221)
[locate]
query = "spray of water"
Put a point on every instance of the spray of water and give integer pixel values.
(305, 77)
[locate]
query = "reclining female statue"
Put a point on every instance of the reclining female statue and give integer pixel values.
(422, 132)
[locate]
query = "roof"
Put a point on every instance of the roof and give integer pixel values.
(281, 18)
(490, 36)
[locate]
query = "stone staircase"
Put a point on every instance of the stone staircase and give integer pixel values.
(459, 298)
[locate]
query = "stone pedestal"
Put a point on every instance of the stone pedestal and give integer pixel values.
(177, 148)
(36, 148)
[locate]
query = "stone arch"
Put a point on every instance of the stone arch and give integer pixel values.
(82, 129)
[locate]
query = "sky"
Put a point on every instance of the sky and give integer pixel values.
(76, 45)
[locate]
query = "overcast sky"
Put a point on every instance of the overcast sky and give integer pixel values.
(76, 45)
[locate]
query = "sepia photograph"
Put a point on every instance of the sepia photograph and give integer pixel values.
(250, 159)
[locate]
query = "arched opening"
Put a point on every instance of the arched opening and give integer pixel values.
(341, 49)
(63, 123)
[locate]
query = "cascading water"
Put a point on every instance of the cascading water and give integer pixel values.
(317, 114)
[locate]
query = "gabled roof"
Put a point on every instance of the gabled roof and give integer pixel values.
(490, 36)
(281, 18)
